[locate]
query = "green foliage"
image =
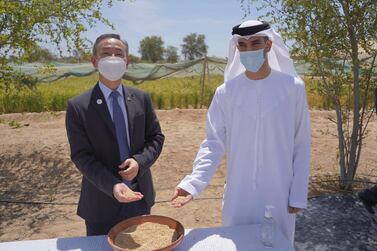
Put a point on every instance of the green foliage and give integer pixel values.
(152, 48)
(182, 92)
(76, 56)
(134, 59)
(171, 54)
(160, 101)
(24, 25)
(47, 69)
(39, 54)
(166, 93)
(194, 46)
(339, 40)
(14, 124)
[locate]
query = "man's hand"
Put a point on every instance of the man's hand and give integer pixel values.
(180, 198)
(293, 210)
(129, 169)
(124, 194)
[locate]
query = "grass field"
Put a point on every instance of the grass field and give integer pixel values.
(168, 93)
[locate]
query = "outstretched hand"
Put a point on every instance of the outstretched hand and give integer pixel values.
(180, 198)
(124, 194)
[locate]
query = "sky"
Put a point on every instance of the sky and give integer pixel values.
(173, 20)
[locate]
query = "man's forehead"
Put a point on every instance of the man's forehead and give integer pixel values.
(111, 43)
(250, 39)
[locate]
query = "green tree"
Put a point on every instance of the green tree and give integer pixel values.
(133, 59)
(39, 54)
(194, 46)
(338, 39)
(23, 24)
(171, 54)
(152, 48)
(76, 54)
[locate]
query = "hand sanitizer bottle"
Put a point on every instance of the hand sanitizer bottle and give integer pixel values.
(267, 233)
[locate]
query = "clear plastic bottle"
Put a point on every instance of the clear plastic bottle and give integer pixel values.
(267, 233)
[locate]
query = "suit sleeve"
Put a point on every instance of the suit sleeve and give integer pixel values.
(82, 154)
(301, 156)
(154, 139)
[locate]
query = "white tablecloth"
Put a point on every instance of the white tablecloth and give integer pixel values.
(201, 239)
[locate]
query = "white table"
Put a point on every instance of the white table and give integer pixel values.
(201, 239)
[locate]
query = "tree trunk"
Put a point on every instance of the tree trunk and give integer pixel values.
(341, 144)
(355, 141)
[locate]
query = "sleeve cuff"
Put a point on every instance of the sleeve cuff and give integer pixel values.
(188, 188)
(298, 204)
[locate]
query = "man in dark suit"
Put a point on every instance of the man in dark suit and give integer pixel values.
(115, 137)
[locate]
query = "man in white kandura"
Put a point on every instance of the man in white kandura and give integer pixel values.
(259, 117)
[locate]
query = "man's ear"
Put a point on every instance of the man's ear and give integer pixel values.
(94, 61)
(128, 61)
(268, 45)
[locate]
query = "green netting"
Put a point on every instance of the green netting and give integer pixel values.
(136, 73)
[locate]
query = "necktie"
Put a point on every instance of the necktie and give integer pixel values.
(120, 128)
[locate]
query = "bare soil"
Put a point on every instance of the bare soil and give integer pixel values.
(35, 167)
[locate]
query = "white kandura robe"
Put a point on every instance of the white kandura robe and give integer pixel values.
(263, 126)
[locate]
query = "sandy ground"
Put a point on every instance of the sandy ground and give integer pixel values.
(35, 166)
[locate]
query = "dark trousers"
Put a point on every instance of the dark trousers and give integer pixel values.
(128, 210)
(370, 195)
(369, 198)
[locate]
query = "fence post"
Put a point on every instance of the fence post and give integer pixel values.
(209, 83)
(202, 80)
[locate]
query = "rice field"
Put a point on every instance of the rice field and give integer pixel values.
(167, 93)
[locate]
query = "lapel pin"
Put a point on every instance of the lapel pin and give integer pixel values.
(99, 101)
(129, 99)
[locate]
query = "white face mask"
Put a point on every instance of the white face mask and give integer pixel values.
(112, 68)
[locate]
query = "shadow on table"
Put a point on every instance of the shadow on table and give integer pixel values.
(84, 243)
(196, 235)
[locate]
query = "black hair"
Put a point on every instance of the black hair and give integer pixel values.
(105, 36)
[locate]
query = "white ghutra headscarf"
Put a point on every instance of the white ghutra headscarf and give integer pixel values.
(278, 56)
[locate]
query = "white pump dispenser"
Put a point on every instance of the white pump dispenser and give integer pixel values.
(268, 228)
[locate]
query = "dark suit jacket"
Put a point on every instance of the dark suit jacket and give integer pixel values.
(95, 152)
